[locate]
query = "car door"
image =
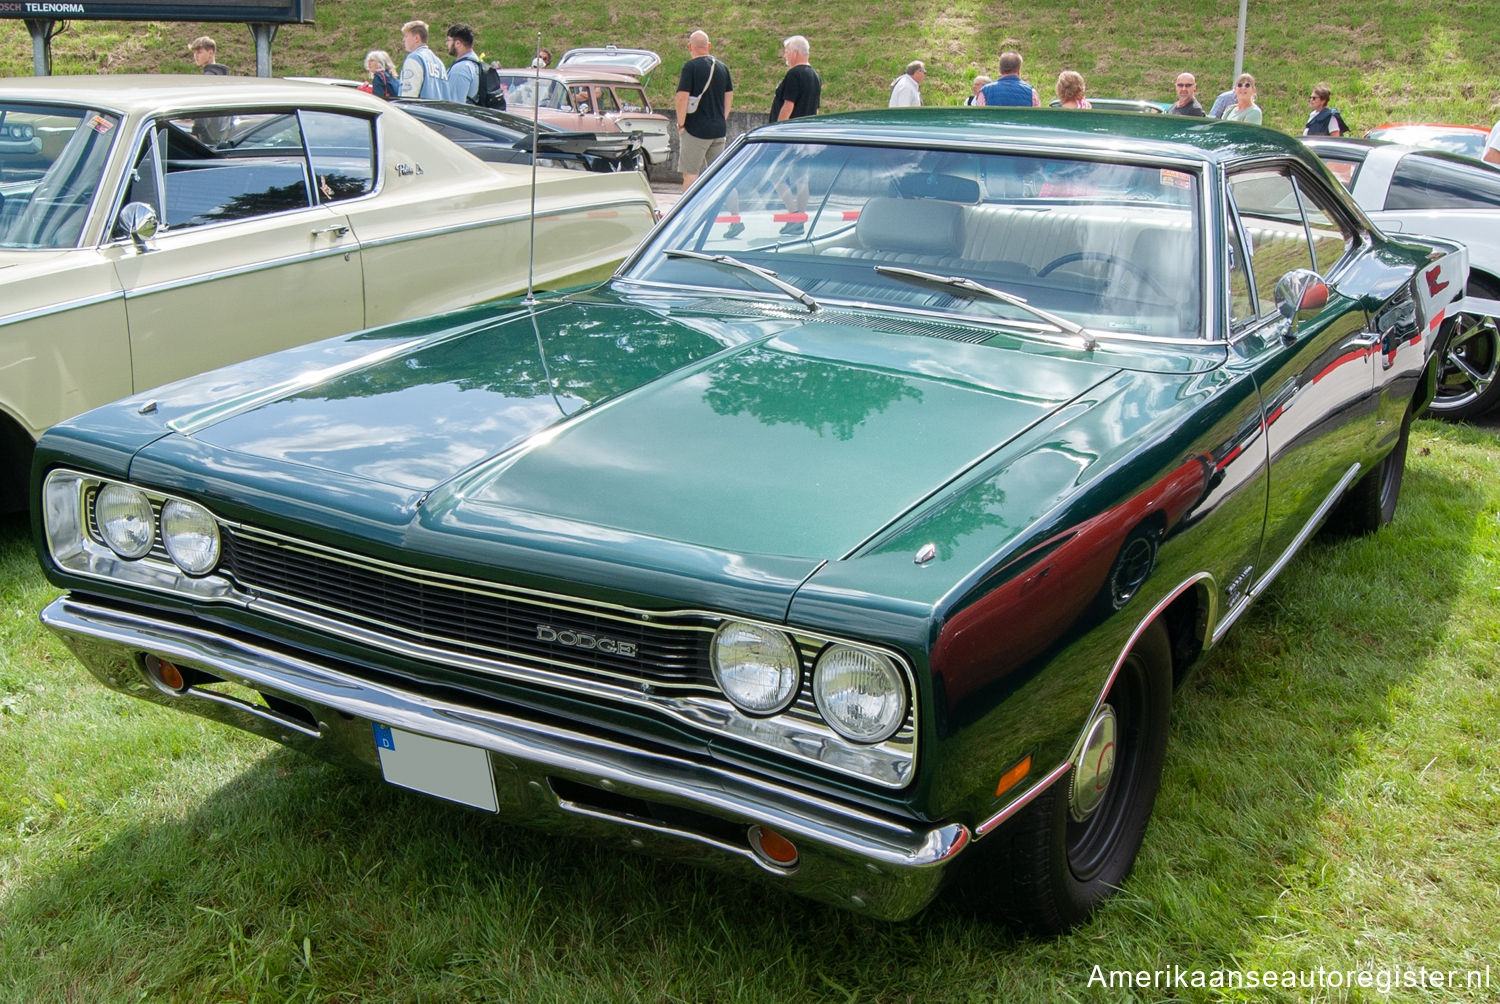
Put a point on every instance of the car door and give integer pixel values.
(252, 253)
(586, 103)
(1314, 359)
(635, 115)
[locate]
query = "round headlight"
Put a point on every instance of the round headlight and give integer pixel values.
(859, 693)
(123, 515)
(191, 536)
(756, 667)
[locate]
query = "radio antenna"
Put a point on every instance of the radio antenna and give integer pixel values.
(536, 101)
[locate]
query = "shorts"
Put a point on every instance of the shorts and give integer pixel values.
(696, 154)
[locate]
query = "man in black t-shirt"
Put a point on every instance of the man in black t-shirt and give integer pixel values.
(704, 82)
(800, 90)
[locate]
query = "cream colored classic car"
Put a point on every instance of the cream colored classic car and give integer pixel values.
(156, 227)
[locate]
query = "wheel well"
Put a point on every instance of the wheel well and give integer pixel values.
(1486, 279)
(1487, 285)
(16, 449)
(1186, 621)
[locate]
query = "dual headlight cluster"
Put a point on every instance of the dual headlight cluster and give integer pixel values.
(860, 693)
(130, 527)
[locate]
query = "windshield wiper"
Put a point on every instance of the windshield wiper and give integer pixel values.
(968, 285)
(765, 273)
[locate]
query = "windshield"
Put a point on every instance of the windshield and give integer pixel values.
(1112, 247)
(522, 93)
(1470, 144)
(51, 160)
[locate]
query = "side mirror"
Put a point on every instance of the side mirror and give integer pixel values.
(139, 221)
(1300, 294)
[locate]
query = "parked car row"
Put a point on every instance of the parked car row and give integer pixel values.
(504, 138)
(156, 227)
(856, 532)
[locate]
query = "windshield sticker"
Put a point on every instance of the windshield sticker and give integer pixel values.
(101, 124)
(1176, 179)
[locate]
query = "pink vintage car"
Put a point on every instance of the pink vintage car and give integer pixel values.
(593, 90)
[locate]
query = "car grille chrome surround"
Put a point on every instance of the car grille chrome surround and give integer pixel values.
(658, 660)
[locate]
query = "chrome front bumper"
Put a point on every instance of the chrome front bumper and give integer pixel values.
(546, 776)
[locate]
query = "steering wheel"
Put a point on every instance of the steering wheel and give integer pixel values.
(1112, 259)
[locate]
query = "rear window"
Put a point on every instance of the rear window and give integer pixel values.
(1429, 183)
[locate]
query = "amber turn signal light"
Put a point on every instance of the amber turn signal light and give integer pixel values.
(772, 847)
(165, 673)
(1013, 777)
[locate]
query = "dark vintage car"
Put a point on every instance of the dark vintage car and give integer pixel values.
(1413, 191)
(1138, 105)
(504, 138)
(857, 531)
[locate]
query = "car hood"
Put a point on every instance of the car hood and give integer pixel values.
(798, 437)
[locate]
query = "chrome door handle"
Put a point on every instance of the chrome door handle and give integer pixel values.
(338, 230)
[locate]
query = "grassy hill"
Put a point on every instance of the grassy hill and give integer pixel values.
(1386, 60)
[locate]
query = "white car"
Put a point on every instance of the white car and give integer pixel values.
(1406, 190)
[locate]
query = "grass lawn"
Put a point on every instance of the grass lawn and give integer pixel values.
(1386, 60)
(1331, 801)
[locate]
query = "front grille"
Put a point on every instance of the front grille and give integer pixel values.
(472, 618)
(648, 660)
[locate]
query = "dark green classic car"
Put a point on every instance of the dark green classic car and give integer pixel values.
(856, 533)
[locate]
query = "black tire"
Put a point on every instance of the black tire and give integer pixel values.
(1371, 503)
(1468, 383)
(1049, 870)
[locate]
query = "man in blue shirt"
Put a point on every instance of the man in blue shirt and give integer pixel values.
(1010, 90)
(422, 72)
(1222, 104)
(463, 75)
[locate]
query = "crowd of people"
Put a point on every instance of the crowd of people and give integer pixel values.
(1009, 89)
(705, 89)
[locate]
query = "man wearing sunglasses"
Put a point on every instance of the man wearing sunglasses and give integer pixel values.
(1187, 97)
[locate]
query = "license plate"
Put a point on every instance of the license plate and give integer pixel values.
(438, 767)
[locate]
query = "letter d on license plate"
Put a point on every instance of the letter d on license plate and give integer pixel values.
(448, 770)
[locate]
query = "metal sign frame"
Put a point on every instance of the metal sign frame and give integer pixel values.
(43, 18)
(236, 11)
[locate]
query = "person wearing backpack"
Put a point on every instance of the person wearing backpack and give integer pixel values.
(463, 75)
(1322, 120)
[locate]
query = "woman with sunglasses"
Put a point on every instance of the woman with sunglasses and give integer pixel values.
(1244, 108)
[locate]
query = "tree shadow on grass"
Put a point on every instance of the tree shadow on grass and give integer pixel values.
(296, 879)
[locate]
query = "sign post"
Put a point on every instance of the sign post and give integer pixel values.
(44, 19)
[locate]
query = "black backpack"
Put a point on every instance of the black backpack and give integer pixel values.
(490, 94)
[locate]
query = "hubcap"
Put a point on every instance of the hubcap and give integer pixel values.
(1094, 767)
(1471, 362)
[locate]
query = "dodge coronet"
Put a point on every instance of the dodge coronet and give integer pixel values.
(854, 535)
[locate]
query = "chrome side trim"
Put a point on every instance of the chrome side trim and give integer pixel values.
(498, 220)
(1308, 529)
(850, 855)
(260, 266)
(59, 308)
(1020, 803)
